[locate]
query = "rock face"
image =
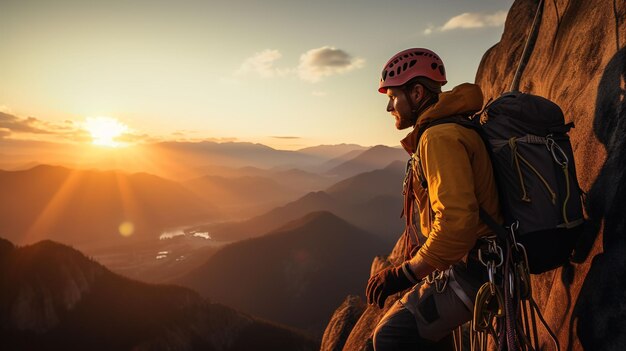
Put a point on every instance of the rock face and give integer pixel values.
(579, 62)
(342, 322)
(360, 336)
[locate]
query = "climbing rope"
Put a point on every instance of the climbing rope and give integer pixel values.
(504, 307)
(528, 48)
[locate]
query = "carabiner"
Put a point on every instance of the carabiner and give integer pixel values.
(551, 145)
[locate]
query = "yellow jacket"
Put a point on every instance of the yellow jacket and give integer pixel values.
(460, 179)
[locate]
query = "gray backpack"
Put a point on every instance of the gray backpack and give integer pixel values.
(534, 166)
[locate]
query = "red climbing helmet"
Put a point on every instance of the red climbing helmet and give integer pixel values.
(411, 63)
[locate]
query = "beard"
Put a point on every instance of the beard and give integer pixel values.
(404, 122)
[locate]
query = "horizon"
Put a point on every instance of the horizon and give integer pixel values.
(171, 159)
(114, 73)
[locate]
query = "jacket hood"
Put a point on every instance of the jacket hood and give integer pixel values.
(466, 98)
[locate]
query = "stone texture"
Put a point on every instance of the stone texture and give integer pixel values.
(341, 323)
(579, 62)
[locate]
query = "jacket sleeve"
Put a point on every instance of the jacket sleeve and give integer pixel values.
(446, 161)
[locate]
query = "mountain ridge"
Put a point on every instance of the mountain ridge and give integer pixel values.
(351, 199)
(54, 297)
(301, 261)
(375, 157)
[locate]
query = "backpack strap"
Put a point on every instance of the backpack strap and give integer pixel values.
(463, 120)
(410, 232)
(498, 229)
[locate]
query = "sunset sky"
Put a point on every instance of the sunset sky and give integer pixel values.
(288, 74)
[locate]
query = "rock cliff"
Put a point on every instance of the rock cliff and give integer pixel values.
(579, 61)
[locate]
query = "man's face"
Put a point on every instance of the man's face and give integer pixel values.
(400, 107)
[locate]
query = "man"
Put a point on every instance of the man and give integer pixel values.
(451, 179)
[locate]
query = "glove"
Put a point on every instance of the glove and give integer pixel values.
(388, 282)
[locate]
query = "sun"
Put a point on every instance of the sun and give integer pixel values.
(104, 130)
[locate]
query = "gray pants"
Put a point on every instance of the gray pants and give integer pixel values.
(424, 318)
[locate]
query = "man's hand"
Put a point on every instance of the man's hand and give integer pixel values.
(387, 282)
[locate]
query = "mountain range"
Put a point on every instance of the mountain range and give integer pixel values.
(332, 151)
(371, 200)
(241, 197)
(375, 157)
(176, 160)
(310, 259)
(294, 275)
(55, 298)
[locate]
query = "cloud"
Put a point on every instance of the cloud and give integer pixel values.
(23, 125)
(286, 137)
(316, 64)
(475, 20)
(134, 138)
(262, 64)
(30, 125)
(220, 140)
(470, 20)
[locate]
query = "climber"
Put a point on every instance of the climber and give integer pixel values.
(449, 177)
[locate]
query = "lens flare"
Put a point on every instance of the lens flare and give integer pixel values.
(126, 228)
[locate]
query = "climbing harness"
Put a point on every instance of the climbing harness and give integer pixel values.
(438, 279)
